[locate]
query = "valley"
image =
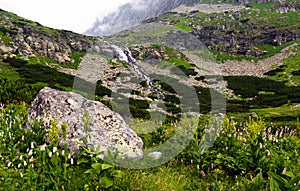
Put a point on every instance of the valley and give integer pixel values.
(231, 70)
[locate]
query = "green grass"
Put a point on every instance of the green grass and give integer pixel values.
(183, 27)
(290, 64)
(8, 72)
(6, 40)
(167, 177)
(232, 163)
(77, 57)
(221, 57)
(287, 114)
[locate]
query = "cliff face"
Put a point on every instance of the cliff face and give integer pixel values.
(27, 39)
(132, 14)
(242, 31)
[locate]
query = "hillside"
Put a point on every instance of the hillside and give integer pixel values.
(230, 65)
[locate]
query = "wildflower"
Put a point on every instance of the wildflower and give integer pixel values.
(198, 167)
(212, 165)
(72, 161)
(270, 137)
(21, 174)
(31, 159)
(21, 157)
(69, 156)
(284, 170)
(63, 152)
(260, 145)
(32, 145)
(9, 164)
(269, 130)
(54, 149)
(50, 154)
(30, 152)
(264, 135)
(202, 173)
(25, 163)
(268, 152)
(19, 165)
(43, 147)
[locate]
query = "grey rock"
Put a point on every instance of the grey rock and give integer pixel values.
(89, 123)
(132, 14)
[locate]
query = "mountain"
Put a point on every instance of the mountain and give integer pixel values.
(231, 71)
(192, 46)
(25, 38)
(132, 14)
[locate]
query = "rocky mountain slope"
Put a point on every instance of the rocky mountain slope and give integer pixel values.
(132, 14)
(190, 47)
(21, 37)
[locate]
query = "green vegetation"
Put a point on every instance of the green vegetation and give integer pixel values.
(248, 156)
(245, 24)
(247, 153)
(288, 70)
(77, 57)
(6, 40)
(183, 27)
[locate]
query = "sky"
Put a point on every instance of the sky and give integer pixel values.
(73, 15)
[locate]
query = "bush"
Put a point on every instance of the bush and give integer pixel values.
(17, 91)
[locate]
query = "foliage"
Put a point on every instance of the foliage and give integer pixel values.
(6, 40)
(77, 57)
(17, 91)
(288, 70)
(29, 162)
(245, 155)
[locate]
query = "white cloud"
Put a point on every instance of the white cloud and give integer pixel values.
(74, 15)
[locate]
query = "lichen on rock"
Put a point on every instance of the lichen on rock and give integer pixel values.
(89, 123)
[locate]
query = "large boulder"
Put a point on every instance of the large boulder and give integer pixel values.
(89, 123)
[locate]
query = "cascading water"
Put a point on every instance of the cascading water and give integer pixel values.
(126, 56)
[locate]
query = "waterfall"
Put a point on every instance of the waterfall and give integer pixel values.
(120, 54)
(126, 56)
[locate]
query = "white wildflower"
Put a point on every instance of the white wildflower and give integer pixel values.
(43, 147)
(54, 149)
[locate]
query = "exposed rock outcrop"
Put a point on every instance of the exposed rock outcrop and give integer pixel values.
(28, 39)
(132, 14)
(89, 123)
